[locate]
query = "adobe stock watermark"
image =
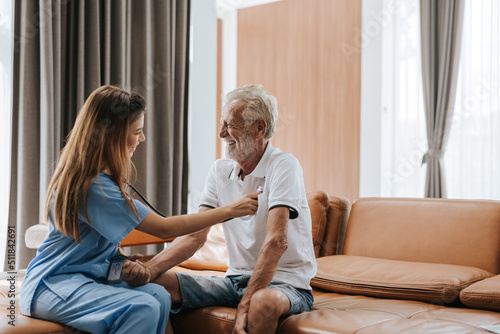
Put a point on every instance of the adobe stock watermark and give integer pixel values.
(285, 118)
(372, 29)
(11, 275)
(153, 78)
(485, 90)
(407, 165)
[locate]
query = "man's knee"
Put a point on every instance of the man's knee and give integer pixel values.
(267, 305)
(169, 281)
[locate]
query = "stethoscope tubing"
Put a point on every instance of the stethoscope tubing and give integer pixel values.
(145, 201)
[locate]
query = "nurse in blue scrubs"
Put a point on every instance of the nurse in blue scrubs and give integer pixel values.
(89, 213)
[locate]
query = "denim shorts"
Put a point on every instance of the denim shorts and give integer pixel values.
(201, 291)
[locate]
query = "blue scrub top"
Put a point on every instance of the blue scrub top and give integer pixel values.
(63, 264)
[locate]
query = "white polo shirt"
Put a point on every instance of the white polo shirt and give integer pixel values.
(280, 175)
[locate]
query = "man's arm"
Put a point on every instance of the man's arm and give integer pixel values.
(275, 244)
(181, 249)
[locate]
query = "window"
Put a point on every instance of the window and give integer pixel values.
(403, 120)
(5, 110)
(472, 158)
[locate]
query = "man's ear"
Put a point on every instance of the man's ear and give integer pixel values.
(261, 126)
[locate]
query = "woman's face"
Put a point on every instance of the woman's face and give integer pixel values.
(135, 135)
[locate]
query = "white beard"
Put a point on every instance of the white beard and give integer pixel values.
(242, 150)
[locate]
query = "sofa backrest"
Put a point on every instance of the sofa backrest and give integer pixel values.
(461, 232)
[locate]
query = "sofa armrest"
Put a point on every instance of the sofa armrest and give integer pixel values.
(336, 224)
(35, 235)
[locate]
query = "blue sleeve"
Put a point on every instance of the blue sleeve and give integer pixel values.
(109, 212)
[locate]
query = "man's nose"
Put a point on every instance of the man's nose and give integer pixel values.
(223, 131)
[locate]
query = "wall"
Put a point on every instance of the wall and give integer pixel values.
(304, 53)
(202, 96)
(371, 97)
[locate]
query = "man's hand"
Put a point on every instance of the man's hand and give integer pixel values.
(240, 324)
(134, 272)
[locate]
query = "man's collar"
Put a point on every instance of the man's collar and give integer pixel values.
(261, 168)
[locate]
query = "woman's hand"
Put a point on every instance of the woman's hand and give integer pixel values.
(245, 205)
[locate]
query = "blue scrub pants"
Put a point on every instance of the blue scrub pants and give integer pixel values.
(100, 308)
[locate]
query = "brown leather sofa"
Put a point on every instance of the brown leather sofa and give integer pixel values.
(407, 266)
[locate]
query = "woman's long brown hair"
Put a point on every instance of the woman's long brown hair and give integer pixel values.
(97, 142)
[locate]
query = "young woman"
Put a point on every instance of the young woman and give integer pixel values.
(89, 213)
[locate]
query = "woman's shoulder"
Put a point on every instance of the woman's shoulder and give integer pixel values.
(104, 180)
(104, 185)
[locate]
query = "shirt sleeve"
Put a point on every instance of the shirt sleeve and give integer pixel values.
(108, 211)
(286, 185)
(209, 195)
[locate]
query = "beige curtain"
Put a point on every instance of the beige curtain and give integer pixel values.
(63, 51)
(441, 31)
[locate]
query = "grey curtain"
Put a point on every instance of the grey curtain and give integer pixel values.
(441, 31)
(63, 51)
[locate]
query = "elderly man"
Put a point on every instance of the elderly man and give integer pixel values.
(271, 255)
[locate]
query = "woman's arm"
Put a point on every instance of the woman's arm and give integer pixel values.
(175, 226)
(182, 248)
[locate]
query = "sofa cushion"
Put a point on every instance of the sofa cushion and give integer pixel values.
(438, 283)
(483, 294)
(213, 255)
(12, 321)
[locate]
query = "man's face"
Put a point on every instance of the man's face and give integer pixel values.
(239, 141)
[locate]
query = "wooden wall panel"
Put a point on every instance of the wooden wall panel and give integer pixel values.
(293, 48)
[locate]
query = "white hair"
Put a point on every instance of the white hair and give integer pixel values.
(259, 104)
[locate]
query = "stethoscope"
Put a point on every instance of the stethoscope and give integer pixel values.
(259, 189)
(145, 201)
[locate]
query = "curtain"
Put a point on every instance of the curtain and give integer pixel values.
(473, 154)
(441, 31)
(63, 51)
